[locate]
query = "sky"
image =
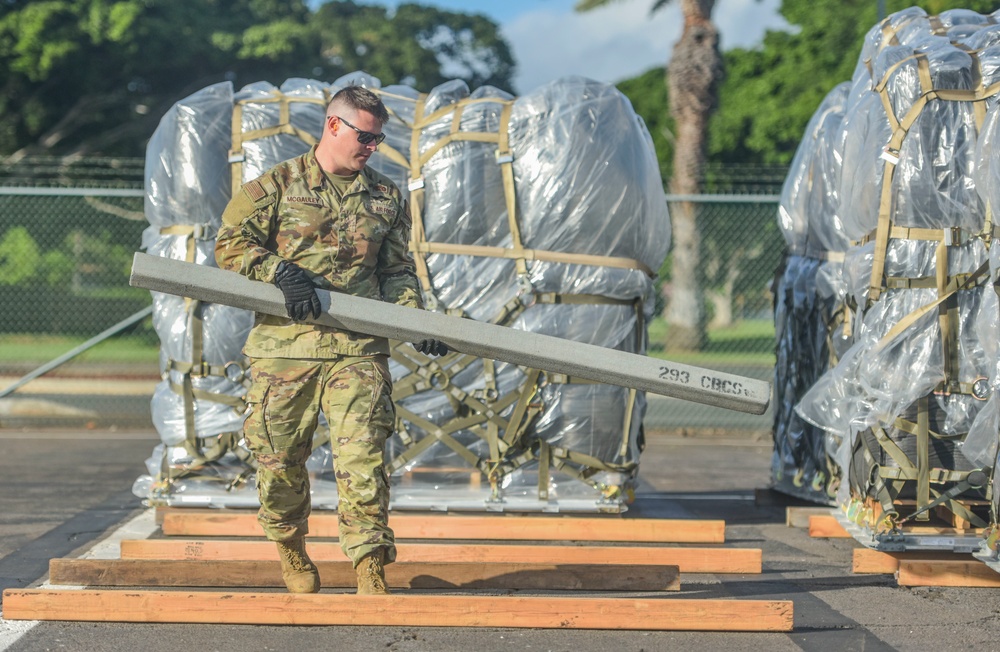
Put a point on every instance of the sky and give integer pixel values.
(550, 40)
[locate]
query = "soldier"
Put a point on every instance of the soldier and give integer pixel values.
(324, 220)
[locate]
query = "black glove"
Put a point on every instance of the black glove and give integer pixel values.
(301, 299)
(431, 347)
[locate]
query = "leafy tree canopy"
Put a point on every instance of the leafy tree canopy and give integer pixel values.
(771, 92)
(94, 76)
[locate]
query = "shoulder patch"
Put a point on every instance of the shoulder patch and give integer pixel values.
(255, 190)
(261, 192)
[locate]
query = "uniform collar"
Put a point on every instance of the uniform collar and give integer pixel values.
(316, 174)
(313, 170)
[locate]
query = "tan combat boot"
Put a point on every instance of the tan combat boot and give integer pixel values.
(298, 571)
(371, 574)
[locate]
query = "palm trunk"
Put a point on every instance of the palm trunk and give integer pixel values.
(692, 80)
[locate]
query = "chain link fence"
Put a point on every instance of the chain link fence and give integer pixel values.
(68, 232)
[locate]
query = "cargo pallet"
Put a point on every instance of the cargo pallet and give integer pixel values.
(945, 565)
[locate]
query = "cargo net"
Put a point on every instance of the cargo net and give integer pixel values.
(903, 398)
(525, 214)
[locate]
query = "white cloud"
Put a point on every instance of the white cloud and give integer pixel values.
(620, 40)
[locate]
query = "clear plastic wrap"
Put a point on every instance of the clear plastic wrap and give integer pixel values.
(809, 297)
(910, 384)
(197, 407)
(981, 444)
(600, 196)
(580, 187)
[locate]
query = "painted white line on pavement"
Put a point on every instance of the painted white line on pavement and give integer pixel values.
(139, 527)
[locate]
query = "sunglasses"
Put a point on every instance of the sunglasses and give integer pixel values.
(364, 137)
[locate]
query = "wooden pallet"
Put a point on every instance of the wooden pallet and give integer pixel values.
(398, 610)
(498, 527)
(688, 560)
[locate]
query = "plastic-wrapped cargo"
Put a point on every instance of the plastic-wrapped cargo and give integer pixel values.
(981, 444)
(907, 392)
(197, 408)
(809, 304)
(590, 216)
(526, 213)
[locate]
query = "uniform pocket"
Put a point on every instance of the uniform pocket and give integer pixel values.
(369, 233)
(255, 424)
(382, 405)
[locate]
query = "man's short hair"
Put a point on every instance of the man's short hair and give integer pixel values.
(359, 98)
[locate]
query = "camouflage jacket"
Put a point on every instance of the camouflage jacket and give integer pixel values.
(358, 246)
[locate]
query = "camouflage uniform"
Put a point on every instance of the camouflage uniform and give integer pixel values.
(356, 245)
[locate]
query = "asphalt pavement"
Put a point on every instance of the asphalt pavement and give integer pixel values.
(64, 491)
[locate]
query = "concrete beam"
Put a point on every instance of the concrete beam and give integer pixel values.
(534, 350)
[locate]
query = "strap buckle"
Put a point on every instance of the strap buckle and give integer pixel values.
(234, 371)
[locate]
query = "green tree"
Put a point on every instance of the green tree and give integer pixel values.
(648, 95)
(19, 256)
(423, 45)
(771, 92)
(95, 76)
(693, 77)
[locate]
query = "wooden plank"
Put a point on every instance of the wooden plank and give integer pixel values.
(799, 516)
(499, 527)
(972, 573)
(871, 561)
(827, 527)
(278, 608)
(407, 575)
(689, 560)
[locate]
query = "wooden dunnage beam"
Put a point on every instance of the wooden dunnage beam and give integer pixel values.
(660, 614)
(688, 560)
(341, 574)
(871, 561)
(499, 527)
(947, 573)
(475, 338)
(827, 527)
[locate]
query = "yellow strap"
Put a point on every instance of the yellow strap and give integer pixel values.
(236, 149)
(923, 459)
(627, 428)
(556, 298)
(284, 126)
(506, 160)
(416, 188)
(544, 462)
(532, 254)
(234, 402)
(912, 318)
(893, 449)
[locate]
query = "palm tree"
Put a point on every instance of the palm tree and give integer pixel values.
(693, 77)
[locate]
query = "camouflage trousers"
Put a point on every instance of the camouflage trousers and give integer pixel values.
(285, 400)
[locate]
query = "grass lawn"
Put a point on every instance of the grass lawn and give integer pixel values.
(749, 342)
(42, 348)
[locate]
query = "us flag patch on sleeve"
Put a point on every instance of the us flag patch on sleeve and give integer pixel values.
(255, 190)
